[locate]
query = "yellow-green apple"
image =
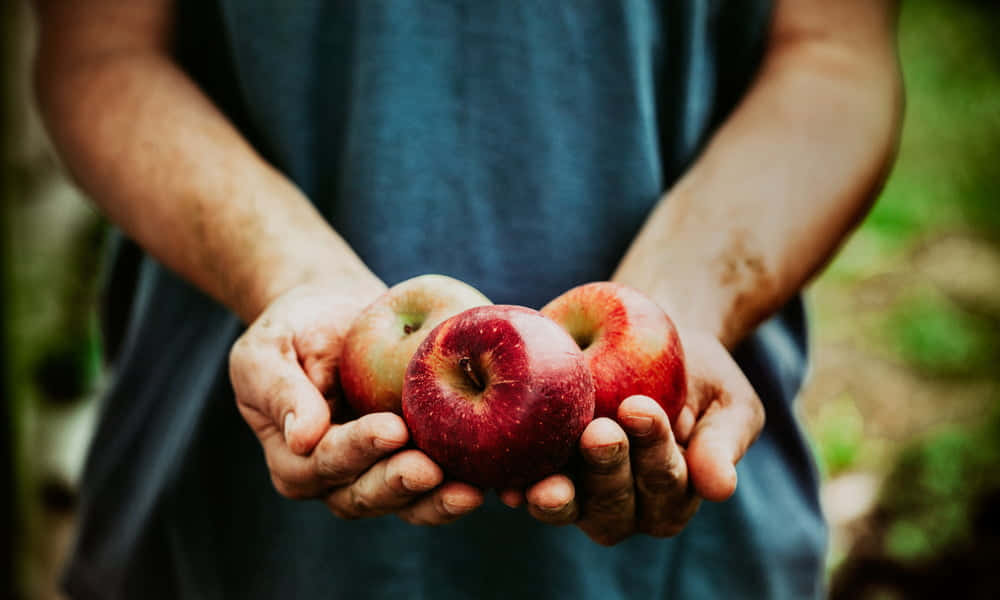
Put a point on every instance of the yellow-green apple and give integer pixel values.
(630, 344)
(498, 396)
(387, 333)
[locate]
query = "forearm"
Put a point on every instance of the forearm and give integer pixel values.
(164, 164)
(776, 190)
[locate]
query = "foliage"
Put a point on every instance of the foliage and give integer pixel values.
(946, 173)
(934, 492)
(839, 437)
(936, 337)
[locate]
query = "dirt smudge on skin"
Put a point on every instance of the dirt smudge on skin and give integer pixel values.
(743, 270)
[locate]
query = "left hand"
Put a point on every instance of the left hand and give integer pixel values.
(650, 477)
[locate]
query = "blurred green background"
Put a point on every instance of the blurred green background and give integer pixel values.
(901, 403)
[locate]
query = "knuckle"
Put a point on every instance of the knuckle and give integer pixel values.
(327, 447)
(298, 477)
(665, 530)
(285, 489)
(658, 483)
(295, 475)
(612, 502)
(342, 512)
(334, 472)
(329, 462)
(239, 371)
(294, 478)
(361, 504)
(238, 352)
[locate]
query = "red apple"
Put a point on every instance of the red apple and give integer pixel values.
(630, 344)
(387, 333)
(498, 396)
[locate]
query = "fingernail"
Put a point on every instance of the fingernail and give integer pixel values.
(511, 500)
(384, 444)
(454, 509)
(605, 454)
(289, 423)
(414, 485)
(639, 425)
(552, 509)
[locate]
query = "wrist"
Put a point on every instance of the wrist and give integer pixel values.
(694, 306)
(354, 281)
(713, 279)
(688, 306)
(294, 247)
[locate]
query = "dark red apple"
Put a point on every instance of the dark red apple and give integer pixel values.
(498, 396)
(630, 344)
(385, 335)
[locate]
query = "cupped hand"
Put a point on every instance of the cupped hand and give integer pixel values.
(283, 371)
(644, 476)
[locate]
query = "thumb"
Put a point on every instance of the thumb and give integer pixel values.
(732, 421)
(301, 412)
(274, 394)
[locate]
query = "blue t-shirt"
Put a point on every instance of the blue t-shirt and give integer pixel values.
(514, 145)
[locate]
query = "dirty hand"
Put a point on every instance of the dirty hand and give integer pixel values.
(283, 371)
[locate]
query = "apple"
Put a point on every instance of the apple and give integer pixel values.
(629, 342)
(387, 333)
(498, 396)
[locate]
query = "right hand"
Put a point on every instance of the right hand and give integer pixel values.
(283, 371)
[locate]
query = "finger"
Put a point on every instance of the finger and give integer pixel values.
(348, 450)
(344, 453)
(512, 498)
(731, 422)
(272, 391)
(684, 425)
(552, 500)
(665, 502)
(388, 486)
(444, 505)
(293, 476)
(608, 507)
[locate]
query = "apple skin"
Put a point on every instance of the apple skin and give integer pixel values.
(630, 344)
(498, 396)
(385, 335)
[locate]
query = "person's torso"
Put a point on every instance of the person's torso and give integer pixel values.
(517, 146)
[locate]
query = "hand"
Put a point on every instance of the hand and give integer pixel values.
(650, 478)
(283, 371)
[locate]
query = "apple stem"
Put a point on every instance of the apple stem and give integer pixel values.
(583, 340)
(466, 363)
(407, 329)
